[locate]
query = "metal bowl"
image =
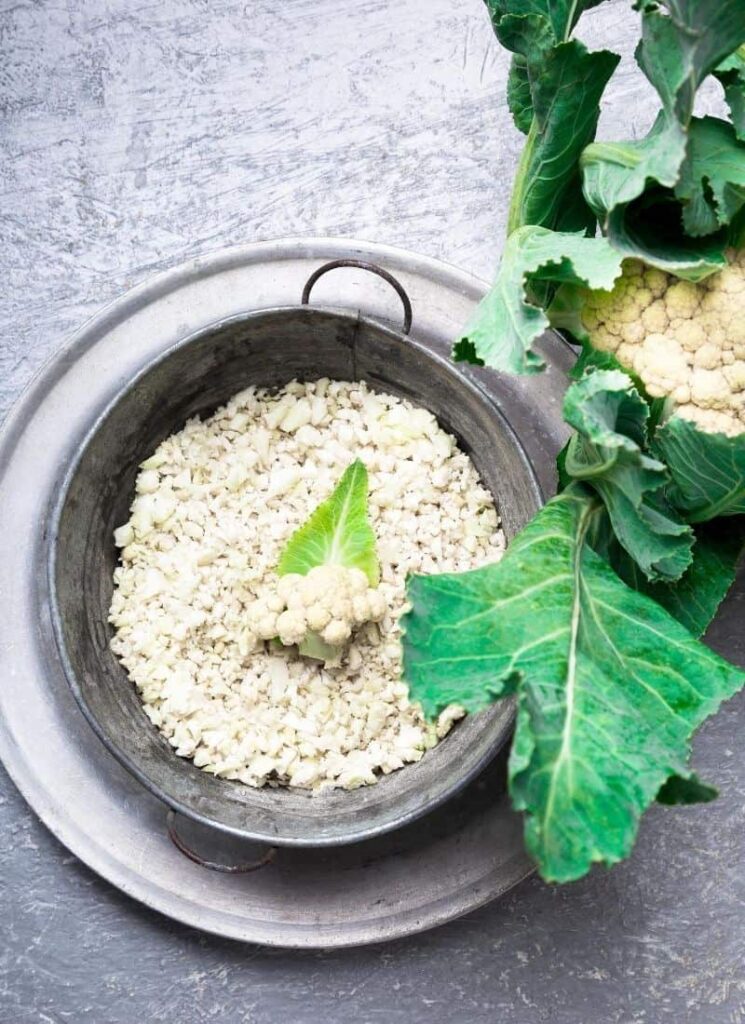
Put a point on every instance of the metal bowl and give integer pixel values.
(198, 373)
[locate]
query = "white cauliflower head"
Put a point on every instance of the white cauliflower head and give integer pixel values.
(685, 341)
(317, 611)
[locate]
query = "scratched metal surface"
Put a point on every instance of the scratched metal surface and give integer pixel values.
(135, 135)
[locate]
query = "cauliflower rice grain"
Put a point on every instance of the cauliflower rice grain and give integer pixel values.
(215, 505)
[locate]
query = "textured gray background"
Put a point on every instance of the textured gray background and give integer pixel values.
(136, 134)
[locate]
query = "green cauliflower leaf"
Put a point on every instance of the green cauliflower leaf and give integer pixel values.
(609, 686)
(682, 42)
(693, 599)
(651, 229)
(707, 470)
(667, 197)
(554, 89)
(519, 100)
(507, 321)
(712, 180)
(731, 74)
(549, 22)
(607, 453)
(338, 532)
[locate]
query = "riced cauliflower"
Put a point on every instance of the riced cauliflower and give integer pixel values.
(215, 506)
(685, 341)
(318, 611)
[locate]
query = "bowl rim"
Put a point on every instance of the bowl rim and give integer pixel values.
(433, 799)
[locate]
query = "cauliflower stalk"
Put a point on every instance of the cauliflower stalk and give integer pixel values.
(317, 612)
(684, 340)
(328, 577)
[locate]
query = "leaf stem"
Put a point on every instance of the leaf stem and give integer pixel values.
(571, 16)
(515, 217)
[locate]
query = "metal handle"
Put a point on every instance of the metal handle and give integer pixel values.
(362, 265)
(226, 869)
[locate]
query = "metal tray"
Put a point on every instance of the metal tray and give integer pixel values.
(456, 859)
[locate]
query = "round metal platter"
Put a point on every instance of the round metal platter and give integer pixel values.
(461, 856)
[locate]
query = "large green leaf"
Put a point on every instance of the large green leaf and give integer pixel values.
(695, 170)
(683, 228)
(553, 90)
(615, 173)
(651, 229)
(712, 180)
(682, 42)
(507, 322)
(707, 470)
(694, 599)
(566, 91)
(561, 16)
(607, 453)
(680, 229)
(731, 73)
(737, 231)
(550, 22)
(518, 93)
(338, 532)
(610, 686)
(530, 38)
(593, 359)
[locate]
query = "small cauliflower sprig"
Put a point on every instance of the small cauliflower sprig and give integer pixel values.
(317, 612)
(685, 340)
(329, 573)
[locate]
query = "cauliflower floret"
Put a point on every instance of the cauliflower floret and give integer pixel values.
(633, 333)
(682, 299)
(656, 281)
(735, 375)
(263, 621)
(655, 318)
(291, 627)
(710, 420)
(337, 632)
(708, 357)
(318, 611)
(605, 341)
(662, 364)
(685, 340)
(691, 335)
(318, 617)
(709, 389)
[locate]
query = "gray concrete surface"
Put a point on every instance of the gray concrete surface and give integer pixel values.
(135, 134)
